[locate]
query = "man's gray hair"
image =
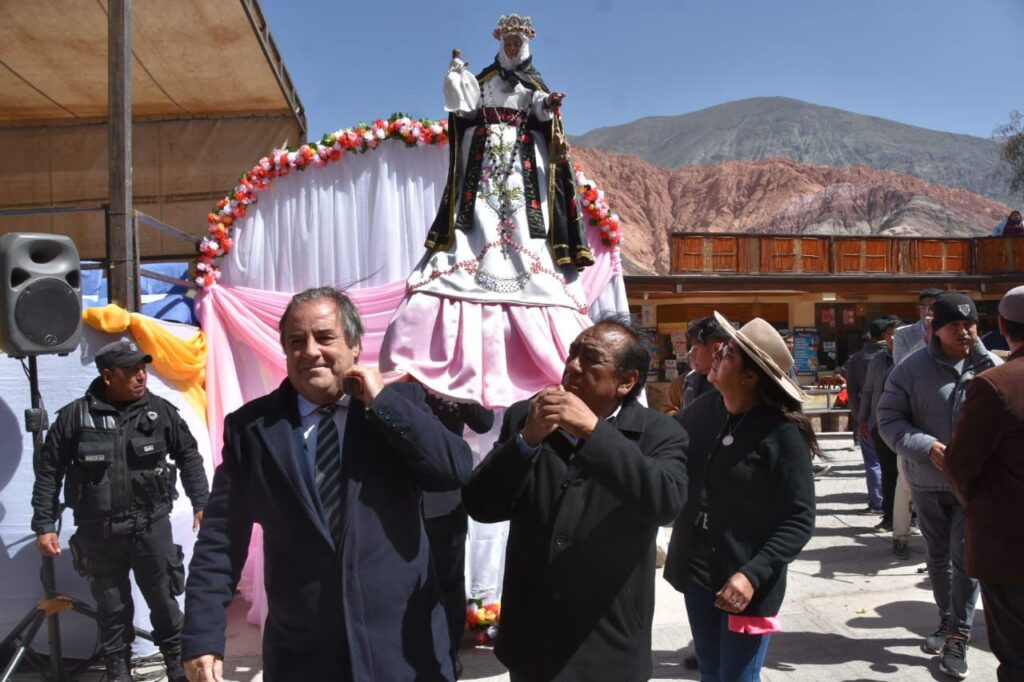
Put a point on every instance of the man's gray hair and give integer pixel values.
(348, 314)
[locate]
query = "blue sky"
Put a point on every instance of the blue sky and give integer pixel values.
(952, 65)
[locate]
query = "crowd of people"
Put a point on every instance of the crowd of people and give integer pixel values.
(925, 458)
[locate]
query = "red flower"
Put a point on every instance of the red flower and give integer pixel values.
(468, 196)
(478, 157)
(590, 195)
(527, 164)
(535, 204)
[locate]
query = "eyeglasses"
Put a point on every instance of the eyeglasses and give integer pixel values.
(924, 306)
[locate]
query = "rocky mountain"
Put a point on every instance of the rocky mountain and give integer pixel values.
(774, 195)
(777, 127)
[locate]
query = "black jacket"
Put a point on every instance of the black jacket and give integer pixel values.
(760, 499)
(113, 463)
(578, 595)
(455, 417)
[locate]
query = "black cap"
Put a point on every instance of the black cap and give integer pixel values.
(879, 326)
(952, 306)
(123, 353)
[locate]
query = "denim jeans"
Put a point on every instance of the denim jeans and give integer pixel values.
(941, 519)
(887, 461)
(872, 471)
(723, 656)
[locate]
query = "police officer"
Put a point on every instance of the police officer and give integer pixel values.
(110, 450)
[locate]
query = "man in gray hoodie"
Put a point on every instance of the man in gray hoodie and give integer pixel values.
(916, 415)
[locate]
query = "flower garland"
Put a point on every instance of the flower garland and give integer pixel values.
(482, 619)
(599, 214)
(331, 148)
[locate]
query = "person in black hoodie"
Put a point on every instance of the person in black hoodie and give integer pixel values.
(750, 501)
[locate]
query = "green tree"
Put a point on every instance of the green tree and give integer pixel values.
(1012, 137)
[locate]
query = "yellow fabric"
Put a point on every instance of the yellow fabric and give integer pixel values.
(182, 362)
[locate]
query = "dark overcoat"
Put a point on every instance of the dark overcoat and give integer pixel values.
(370, 611)
(578, 595)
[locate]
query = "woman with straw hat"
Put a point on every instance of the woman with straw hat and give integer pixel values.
(750, 503)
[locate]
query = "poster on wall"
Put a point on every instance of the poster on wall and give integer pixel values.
(805, 350)
(679, 343)
(652, 342)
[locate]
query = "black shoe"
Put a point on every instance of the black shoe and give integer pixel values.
(900, 550)
(819, 470)
(954, 657)
(883, 527)
(690, 662)
(458, 667)
(870, 511)
(936, 642)
(116, 669)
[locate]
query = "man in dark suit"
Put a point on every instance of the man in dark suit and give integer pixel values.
(586, 475)
(335, 478)
(447, 524)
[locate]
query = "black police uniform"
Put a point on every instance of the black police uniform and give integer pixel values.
(113, 462)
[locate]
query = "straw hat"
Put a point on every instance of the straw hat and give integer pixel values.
(764, 344)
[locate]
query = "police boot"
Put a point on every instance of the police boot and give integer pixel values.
(172, 661)
(117, 669)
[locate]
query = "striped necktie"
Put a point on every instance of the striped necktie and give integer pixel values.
(329, 482)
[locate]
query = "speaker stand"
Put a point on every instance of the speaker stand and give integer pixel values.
(49, 607)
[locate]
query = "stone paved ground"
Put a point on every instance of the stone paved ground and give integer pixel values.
(853, 612)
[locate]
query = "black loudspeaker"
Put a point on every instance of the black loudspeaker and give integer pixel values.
(40, 294)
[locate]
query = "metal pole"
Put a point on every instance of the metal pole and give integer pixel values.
(122, 275)
(49, 577)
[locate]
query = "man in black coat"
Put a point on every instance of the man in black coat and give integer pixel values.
(586, 476)
(335, 478)
(447, 524)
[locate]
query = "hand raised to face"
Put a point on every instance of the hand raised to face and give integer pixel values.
(555, 407)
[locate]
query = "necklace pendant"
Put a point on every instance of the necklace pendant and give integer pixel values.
(728, 440)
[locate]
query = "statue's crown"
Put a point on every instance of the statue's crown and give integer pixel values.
(513, 23)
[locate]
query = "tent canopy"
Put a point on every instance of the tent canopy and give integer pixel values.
(191, 58)
(210, 95)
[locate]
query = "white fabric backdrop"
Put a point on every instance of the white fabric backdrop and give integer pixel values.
(61, 380)
(362, 219)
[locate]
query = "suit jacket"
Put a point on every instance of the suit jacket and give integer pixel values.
(578, 595)
(985, 465)
(367, 611)
(906, 340)
(856, 376)
(455, 417)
